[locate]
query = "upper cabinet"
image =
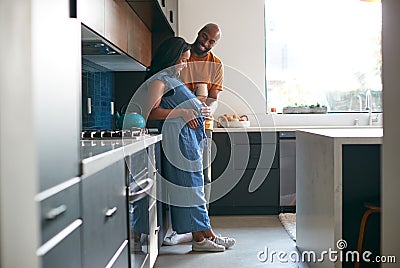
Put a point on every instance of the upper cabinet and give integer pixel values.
(139, 39)
(163, 5)
(160, 16)
(136, 27)
(118, 24)
(172, 14)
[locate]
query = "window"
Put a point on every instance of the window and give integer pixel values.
(325, 52)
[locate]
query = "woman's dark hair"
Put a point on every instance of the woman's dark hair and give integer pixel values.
(167, 54)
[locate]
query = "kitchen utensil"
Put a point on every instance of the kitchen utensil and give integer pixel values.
(129, 120)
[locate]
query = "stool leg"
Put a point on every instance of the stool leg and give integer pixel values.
(362, 232)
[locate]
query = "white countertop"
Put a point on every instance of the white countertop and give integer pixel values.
(292, 128)
(98, 154)
(349, 135)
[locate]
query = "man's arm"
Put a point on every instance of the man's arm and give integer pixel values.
(212, 99)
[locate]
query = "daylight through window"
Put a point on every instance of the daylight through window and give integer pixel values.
(323, 52)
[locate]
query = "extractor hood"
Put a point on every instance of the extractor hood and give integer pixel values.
(98, 50)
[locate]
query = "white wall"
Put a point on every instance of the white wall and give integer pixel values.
(391, 124)
(19, 214)
(241, 48)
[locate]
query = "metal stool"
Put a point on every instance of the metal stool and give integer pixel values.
(373, 207)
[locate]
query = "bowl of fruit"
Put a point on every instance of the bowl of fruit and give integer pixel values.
(233, 121)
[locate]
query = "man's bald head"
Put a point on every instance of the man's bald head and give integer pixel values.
(207, 38)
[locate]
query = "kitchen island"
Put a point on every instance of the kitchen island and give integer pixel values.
(337, 170)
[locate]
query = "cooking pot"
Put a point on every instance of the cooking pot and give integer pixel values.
(129, 120)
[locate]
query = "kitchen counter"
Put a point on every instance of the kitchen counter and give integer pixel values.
(350, 135)
(291, 128)
(97, 154)
(337, 170)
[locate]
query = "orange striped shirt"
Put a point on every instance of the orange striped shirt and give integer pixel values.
(207, 70)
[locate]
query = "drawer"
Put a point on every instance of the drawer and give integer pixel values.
(104, 214)
(244, 193)
(253, 137)
(121, 257)
(60, 209)
(138, 163)
(68, 250)
(252, 156)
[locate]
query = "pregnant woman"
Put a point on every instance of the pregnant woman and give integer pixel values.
(182, 126)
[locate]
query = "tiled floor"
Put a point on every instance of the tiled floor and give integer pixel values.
(252, 233)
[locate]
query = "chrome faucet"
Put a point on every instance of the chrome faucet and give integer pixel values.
(368, 106)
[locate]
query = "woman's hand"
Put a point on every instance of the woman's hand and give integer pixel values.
(190, 117)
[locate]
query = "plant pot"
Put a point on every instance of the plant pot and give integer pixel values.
(304, 110)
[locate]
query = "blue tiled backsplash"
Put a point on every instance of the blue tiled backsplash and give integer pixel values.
(97, 84)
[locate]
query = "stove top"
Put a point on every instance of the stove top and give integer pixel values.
(113, 134)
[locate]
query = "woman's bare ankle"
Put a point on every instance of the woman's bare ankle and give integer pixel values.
(198, 236)
(209, 234)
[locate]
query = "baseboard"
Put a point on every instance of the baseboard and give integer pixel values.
(242, 210)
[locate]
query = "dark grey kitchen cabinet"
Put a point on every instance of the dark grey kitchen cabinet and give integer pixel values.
(245, 174)
(66, 253)
(59, 209)
(56, 90)
(144, 226)
(60, 225)
(56, 93)
(104, 214)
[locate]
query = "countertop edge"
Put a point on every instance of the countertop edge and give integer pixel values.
(98, 162)
(288, 128)
(348, 136)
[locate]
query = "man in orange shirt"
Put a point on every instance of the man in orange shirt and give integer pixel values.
(204, 76)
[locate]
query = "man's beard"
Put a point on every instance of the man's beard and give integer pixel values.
(198, 51)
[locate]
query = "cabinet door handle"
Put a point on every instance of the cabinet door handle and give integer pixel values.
(157, 230)
(134, 196)
(55, 212)
(72, 9)
(110, 212)
(171, 16)
(163, 3)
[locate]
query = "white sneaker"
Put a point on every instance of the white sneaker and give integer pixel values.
(175, 239)
(227, 242)
(207, 245)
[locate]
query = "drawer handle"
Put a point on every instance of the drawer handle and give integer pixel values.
(55, 212)
(110, 212)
